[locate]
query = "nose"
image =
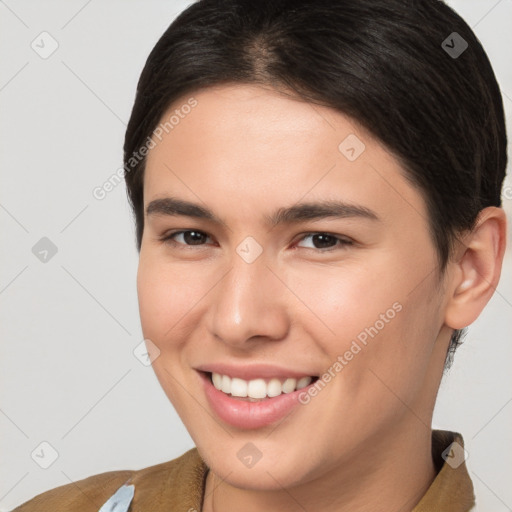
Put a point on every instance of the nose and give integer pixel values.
(249, 305)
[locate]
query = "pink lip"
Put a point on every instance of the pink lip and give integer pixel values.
(253, 371)
(250, 415)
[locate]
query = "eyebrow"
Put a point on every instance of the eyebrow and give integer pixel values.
(286, 215)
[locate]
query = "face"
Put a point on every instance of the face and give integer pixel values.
(261, 291)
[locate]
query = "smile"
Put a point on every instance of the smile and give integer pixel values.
(258, 389)
(255, 403)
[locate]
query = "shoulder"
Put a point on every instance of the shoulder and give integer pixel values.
(89, 494)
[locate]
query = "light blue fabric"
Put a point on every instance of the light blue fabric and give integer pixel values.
(120, 500)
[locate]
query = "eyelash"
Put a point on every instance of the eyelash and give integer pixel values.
(343, 241)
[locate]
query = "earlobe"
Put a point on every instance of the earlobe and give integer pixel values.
(478, 269)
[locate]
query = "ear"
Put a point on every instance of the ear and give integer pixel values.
(476, 269)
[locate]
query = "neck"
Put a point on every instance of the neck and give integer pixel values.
(393, 475)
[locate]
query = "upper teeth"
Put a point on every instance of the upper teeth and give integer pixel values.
(257, 388)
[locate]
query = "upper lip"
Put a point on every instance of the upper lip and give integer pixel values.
(253, 371)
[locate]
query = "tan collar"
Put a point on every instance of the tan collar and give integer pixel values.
(452, 489)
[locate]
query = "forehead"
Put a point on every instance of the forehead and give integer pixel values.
(249, 118)
(255, 146)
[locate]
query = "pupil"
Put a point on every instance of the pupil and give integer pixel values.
(324, 237)
(189, 238)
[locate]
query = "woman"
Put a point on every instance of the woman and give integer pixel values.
(316, 189)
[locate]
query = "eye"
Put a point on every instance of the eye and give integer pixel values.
(326, 241)
(189, 236)
(322, 242)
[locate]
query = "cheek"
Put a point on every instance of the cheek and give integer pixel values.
(383, 315)
(173, 299)
(348, 299)
(165, 296)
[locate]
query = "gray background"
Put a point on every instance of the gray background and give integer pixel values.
(69, 325)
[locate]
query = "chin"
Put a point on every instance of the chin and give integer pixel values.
(272, 472)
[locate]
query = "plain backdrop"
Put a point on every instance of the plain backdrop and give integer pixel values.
(74, 396)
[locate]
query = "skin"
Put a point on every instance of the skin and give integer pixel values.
(243, 152)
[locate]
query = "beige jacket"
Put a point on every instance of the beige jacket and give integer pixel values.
(178, 485)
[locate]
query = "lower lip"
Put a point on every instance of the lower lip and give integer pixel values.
(250, 415)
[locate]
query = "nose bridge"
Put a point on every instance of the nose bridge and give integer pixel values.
(249, 300)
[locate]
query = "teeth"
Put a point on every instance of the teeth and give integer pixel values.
(274, 388)
(226, 384)
(238, 387)
(217, 380)
(303, 382)
(257, 388)
(289, 385)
